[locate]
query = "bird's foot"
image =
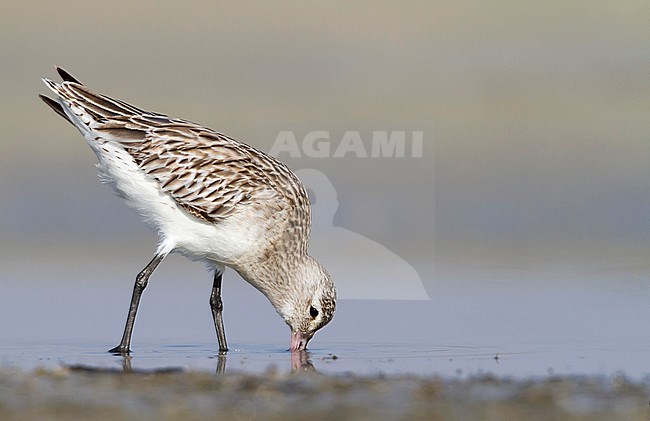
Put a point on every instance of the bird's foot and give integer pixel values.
(120, 350)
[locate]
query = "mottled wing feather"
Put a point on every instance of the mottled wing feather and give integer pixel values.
(207, 173)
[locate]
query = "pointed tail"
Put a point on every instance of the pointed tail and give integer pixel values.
(54, 104)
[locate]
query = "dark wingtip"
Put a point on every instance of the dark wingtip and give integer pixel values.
(55, 106)
(67, 77)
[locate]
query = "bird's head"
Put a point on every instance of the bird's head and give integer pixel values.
(309, 304)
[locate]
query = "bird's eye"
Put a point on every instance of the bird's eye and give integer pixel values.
(313, 312)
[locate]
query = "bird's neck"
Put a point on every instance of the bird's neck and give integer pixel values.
(275, 276)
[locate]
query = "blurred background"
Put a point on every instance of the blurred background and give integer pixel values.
(535, 121)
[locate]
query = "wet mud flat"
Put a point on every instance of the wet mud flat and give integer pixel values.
(81, 393)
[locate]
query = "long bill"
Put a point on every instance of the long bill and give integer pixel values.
(298, 341)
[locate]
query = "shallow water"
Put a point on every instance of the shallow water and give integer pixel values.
(531, 319)
(451, 361)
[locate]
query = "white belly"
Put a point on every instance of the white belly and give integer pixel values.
(223, 243)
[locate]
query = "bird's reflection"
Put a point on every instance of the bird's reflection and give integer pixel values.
(301, 362)
(221, 363)
(126, 364)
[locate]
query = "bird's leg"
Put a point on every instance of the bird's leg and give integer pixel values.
(140, 284)
(217, 311)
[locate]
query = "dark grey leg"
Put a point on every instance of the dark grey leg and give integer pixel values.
(140, 284)
(217, 311)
